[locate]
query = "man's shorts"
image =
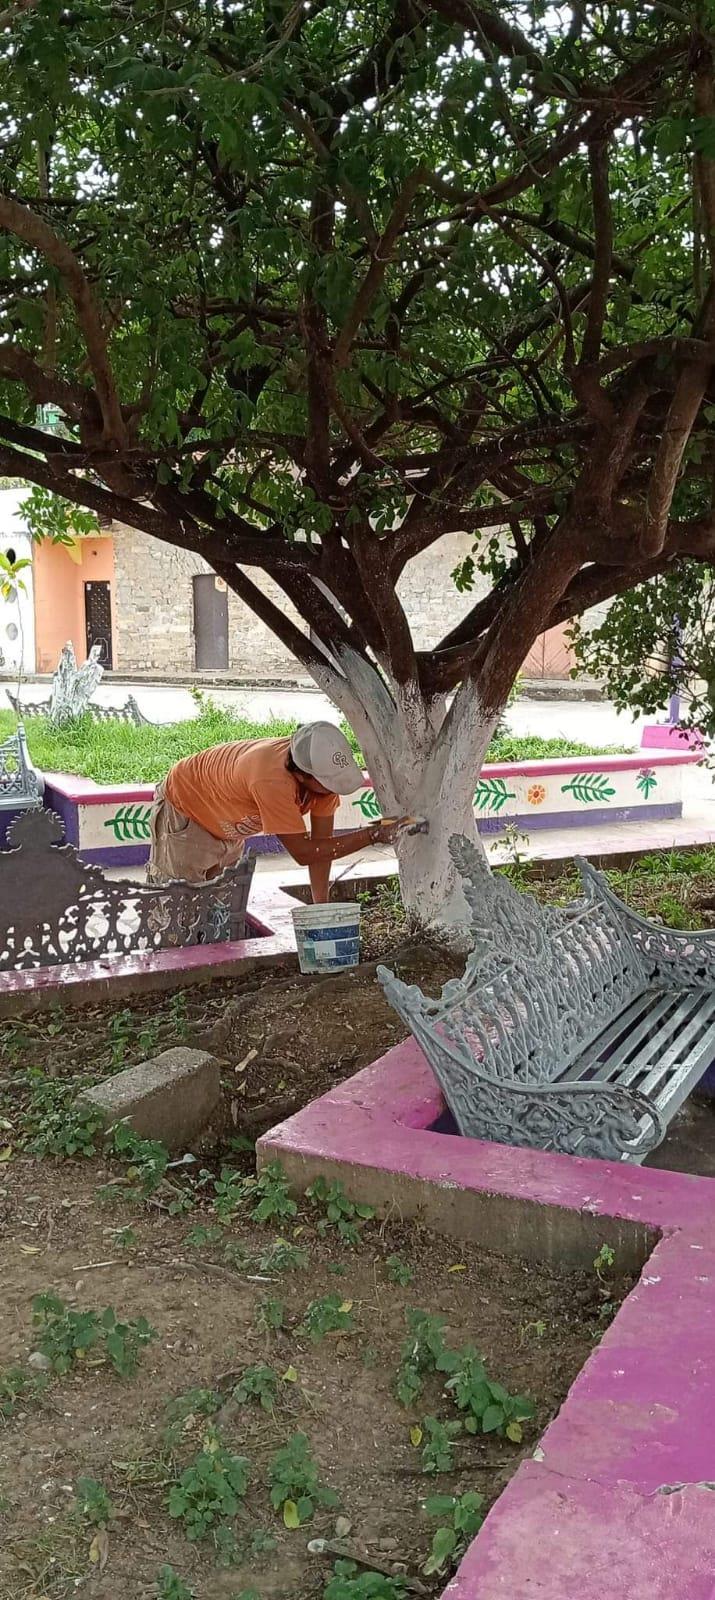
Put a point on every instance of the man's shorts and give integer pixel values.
(181, 849)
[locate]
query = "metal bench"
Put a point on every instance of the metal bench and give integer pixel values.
(21, 785)
(127, 712)
(54, 908)
(580, 1029)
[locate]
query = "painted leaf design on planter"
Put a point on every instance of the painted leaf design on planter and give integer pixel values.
(368, 803)
(646, 781)
(491, 794)
(589, 788)
(130, 823)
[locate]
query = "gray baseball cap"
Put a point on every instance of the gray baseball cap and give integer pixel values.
(323, 751)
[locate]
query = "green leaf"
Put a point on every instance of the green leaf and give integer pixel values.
(291, 1516)
(492, 1419)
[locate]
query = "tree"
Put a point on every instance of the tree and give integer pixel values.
(310, 286)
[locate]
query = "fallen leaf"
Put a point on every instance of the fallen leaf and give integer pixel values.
(6, 1154)
(514, 1432)
(99, 1549)
(290, 1375)
(459, 1266)
(290, 1514)
(415, 1436)
(347, 1305)
(30, 1249)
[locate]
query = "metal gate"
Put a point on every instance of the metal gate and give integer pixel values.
(98, 620)
(210, 622)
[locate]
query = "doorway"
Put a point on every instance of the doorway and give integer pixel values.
(98, 620)
(210, 623)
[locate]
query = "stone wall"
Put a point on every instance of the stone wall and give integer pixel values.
(154, 608)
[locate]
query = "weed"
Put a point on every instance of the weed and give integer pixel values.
(52, 1124)
(200, 1235)
(603, 1266)
(258, 1383)
(283, 1257)
(124, 1238)
(463, 1518)
(225, 1545)
(330, 1315)
(338, 1211)
(179, 1014)
(148, 1159)
(370, 1357)
(294, 1483)
(229, 1193)
(423, 1351)
(672, 912)
(18, 1388)
(93, 1502)
(270, 1190)
(438, 1446)
(270, 1316)
(487, 1407)
(169, 1586)
(120, 1032)
(350, 1583)
(183, 1411)
(209, 1489)
(67, 1336)
(148, 1038)
(538, 1329)
(262, 1542)
(399, 1271)
(604, 1261)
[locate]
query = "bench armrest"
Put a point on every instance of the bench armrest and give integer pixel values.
(671, 957)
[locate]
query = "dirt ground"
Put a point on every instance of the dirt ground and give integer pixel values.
(63, 1230)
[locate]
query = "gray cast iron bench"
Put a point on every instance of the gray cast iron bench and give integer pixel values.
(21, 785)
(580, 1030)
(128, 711)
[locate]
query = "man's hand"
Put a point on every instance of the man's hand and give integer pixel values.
(389, 830)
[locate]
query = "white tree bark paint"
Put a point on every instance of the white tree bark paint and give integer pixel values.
(424, 761)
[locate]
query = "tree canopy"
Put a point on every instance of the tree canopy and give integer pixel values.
(311, 284)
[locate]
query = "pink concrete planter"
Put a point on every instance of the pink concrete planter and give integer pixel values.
(109, 823)
(619, 1498)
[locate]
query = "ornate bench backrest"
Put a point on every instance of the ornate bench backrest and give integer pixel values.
(539, 985)
(18, 778)
(55, 908)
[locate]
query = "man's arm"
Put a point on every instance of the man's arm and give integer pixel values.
(306, 850)
(321, 828)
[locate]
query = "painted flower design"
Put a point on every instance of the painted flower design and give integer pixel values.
(646, 781)
(536, 794)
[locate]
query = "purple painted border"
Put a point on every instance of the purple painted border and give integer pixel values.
(588, 816)
(618, 1502)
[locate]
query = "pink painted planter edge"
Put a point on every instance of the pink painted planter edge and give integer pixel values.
(269, 912)
(623, 1467)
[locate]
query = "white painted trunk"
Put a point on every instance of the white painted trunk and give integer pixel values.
(424, 761)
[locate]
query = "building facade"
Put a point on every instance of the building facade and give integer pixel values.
(154, 609)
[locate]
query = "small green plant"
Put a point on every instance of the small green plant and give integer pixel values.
(148, 1038)
(672, 912)
(148, 1159)
(270, 1316)
(329, 1315)
(209, 1489)
(270, 1192)
(258, 1383)
(486, 1407)
(53, 1124)
(19, 1388)
(262, 1542)
(282, 1257)
(179, 1014)
(295, 1486)
(604, 1262)
(93, 1502)
(399, 1271)
(461, 1517)
(169, 1586)
(124, 1238)
(185, 1409)
(201, 1235)
(120, 1032)
(229, 1193)
(350, 1583)
(67, 1336)
(424, 1350)
(438, 1444)
(338, 1211)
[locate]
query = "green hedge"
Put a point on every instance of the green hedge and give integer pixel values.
(117, 752)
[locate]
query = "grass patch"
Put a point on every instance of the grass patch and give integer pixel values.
(116, 752)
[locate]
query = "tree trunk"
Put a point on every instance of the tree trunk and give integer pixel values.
(424, 761)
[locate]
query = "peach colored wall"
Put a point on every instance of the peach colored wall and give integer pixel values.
(59, 596)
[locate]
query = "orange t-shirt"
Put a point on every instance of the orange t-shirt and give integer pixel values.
(235, 790)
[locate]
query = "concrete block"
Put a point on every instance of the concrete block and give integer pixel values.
(171, 1097)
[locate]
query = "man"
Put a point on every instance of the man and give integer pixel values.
(210, 803)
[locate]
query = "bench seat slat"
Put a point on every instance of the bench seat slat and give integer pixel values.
(604, 1056)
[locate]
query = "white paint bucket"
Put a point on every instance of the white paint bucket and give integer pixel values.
(327, 937)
